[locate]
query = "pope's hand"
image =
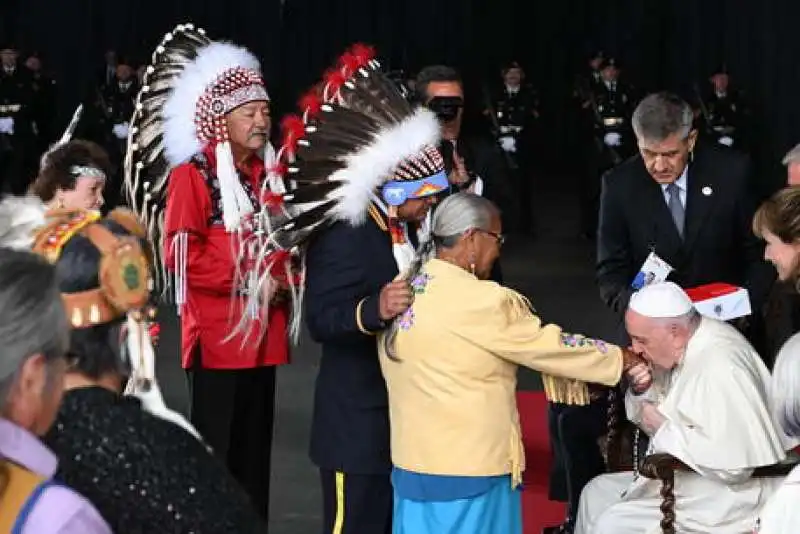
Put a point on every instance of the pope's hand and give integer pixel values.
(652, 418)
(395, 299)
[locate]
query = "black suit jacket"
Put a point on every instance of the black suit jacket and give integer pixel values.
(350, 423)
(718, 246)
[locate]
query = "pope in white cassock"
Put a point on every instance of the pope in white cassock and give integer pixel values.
(710, 407)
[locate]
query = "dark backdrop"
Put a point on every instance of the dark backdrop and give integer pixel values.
(669, 44)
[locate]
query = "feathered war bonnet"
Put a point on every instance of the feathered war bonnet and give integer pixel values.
(189, 88)
(356, 143)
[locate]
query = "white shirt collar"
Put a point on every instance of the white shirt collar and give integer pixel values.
(682, 181)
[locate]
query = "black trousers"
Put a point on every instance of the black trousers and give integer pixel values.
(356, 504)
(574, 433)
(234, 412)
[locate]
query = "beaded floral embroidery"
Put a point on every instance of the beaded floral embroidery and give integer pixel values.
(578, 341)
(418, 284)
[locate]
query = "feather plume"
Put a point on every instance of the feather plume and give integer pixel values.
(310, 104)
(66, 137)
(20, 219)
(147, 162)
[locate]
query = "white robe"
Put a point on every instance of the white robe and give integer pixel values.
(719, 422)
(781, 515)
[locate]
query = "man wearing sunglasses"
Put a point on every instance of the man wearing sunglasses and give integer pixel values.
(472, 163)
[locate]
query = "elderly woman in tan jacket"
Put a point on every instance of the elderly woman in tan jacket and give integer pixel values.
(450, 364)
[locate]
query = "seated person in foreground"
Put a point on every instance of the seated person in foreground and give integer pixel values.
(709, 407)
(781, 515)
(140, 464)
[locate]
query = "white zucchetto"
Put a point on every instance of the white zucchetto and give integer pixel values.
(661, 300)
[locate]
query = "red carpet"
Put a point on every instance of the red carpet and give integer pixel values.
(537, 510)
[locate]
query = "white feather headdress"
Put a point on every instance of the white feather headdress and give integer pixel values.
(191, 84)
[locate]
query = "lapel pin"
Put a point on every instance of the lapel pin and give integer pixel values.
(707, 191)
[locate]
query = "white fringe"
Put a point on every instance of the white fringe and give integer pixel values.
(142, 382)
(235, 202)
(180, 243)
(404, 253)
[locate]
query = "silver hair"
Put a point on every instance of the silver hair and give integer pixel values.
(786, 386)
(32, 317)
(793, 156)
(689, 320)
(661, 115)
(455, 216)
(458, 214)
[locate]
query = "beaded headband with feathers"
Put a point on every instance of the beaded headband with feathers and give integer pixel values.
(66, 137)
(191, 84)
(354, 135)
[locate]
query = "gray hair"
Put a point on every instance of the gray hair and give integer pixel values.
(32, 316)
(689, 320)
(661, 115)
(793, 156)
(786, 386)
(455, 216)
(458, 214)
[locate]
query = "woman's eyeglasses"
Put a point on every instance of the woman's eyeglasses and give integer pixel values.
(499, 237)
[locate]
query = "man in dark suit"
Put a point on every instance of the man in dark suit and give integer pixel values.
(472, 163)
(689, 205)
(692, 207)
(351, 296)
(19, 154)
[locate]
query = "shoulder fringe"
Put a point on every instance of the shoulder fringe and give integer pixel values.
(566, 390)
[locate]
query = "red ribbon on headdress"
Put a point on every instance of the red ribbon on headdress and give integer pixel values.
(293, 130)
(397, 231)
(278, 269)
(272, 201)
(311, 103)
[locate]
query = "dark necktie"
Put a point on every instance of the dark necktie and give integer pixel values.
(676, 207)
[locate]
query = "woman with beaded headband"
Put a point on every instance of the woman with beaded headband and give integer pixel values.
(139, 463)
(196, 170)
(72, 173)
(366, 174)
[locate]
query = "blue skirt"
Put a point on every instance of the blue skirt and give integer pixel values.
(498, 511)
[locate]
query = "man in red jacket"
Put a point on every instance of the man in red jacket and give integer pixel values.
(214, 129)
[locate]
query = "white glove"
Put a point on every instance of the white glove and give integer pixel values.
(121, 130)
(509, 144)
(725, 140)
(7, 125)
(612, 139)
(477, 187)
